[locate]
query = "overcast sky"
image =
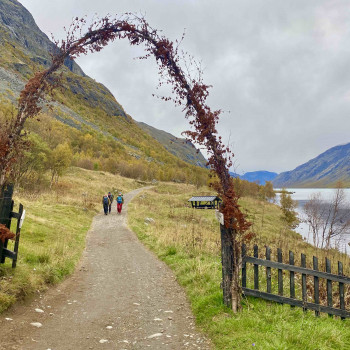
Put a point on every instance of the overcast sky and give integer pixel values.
(279, 68)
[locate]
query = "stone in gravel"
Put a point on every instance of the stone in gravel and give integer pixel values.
(8, 319)
(155, 335)
(109, 327)
(39, 310)
(102, 341)
(168, 312)
(157, 319)
(137, 304)
(36, 324)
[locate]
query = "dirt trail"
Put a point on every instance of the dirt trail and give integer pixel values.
(121, 297)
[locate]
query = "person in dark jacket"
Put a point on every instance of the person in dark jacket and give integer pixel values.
(111, 197)
(105, 203)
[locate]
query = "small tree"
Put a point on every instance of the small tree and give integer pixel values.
(269, 193)
(315, 212)
(58, 161)
(288, 205)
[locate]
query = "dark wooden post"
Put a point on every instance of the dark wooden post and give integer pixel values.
(280, 272)
(256, 268)
(6, 206)
(227, 264)
(316, 285)
(268, 271)
(18, 234)
(244, 266)
(341, 288)
(291, 276)
(329, 285)
(303, 280)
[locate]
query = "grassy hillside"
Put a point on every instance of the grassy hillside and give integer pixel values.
(177, 146)
(54, 231)
(188, 241)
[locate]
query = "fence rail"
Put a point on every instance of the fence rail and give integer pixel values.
(330, 278)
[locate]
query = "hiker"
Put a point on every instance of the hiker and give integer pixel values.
(106, 203)
(120, 201)
(111, 197)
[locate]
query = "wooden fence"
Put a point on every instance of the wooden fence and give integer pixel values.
(330, 279)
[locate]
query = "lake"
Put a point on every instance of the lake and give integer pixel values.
(302, 195)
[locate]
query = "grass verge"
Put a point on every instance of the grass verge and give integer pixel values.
(189, 242)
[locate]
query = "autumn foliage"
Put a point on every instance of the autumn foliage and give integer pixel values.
(5, 233)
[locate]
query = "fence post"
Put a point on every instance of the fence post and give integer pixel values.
(341, 288)
(6, 206)
(256, 268)
(291, 276)
(244, 266)
(280, 272)
(316, 285)
(303, 280)
(329, 285)
(227, 264)
(18, 234)
(268, 271)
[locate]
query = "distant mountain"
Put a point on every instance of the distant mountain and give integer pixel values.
(234, 174)
(179, 147)
(259, 176)
(322, 171)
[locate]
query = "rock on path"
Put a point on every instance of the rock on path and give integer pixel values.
(121, 297)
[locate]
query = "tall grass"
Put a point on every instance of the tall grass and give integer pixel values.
(188, 240)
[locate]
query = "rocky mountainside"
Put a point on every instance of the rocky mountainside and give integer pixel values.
(82, 104)
(322, 171)
(177, 146)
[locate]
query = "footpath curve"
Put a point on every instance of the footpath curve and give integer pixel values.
(120, 297)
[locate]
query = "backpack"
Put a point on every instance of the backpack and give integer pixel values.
(120, 199)
(105, 200)
(111, 197)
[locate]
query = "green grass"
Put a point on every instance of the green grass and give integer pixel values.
(53, 234)
(189, 242)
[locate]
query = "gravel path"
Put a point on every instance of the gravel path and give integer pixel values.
(120, 297)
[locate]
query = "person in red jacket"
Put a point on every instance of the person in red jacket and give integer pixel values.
(120, 201)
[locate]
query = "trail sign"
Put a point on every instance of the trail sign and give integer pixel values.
(22, 218)
(219, 216)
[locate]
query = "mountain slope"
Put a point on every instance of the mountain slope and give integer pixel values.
(324, 170)
(84, 114)
(178, 147)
